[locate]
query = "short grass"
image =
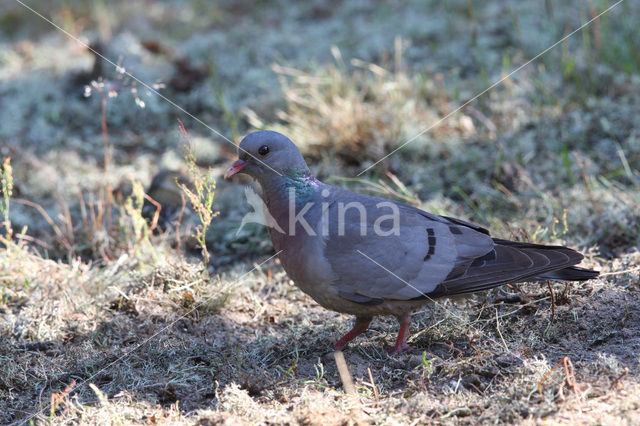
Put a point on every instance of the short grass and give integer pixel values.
(109, 319)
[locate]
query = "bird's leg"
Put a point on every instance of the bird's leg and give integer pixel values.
(401, 343)
(360, 326)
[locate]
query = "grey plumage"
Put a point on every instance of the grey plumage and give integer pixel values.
(369, 256)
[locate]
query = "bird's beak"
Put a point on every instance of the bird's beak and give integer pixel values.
(235, 168)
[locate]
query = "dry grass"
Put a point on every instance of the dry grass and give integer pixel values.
(157, 344)
(358, 113)
(107, 318)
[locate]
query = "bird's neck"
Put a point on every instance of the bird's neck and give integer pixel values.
(297, 183)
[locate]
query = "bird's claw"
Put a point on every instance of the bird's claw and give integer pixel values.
(400, 347)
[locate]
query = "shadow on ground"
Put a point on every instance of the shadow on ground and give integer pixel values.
(190, 360)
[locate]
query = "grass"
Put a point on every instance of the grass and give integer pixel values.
(201, 197)
(358, 113)
(6, 182)
(164, 314)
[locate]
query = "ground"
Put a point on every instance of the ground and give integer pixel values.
(109, 316)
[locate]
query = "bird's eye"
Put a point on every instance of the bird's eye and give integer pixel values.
(264, 150)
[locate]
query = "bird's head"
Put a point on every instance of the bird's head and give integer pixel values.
(264, 155)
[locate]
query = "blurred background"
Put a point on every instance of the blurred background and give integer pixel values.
(551, 154)
(348, 82)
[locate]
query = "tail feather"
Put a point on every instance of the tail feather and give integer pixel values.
(572, 273)
(512, 261)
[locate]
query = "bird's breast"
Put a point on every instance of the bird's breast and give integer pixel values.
(303, 259)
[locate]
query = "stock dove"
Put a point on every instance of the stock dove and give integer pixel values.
(368, 256)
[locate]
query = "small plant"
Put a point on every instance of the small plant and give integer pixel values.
(565, 227)
(427, 365)
(131, 212)
(319, 381)
(107, 89)
(201, 197)
(6, 179)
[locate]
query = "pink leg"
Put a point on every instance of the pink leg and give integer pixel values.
(401, 343)
(359, 327)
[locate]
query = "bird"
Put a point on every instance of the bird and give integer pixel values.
(368, 256)
(165, 191)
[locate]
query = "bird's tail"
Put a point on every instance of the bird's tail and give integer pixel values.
(572, 273)
(514, 261)
(567, 273)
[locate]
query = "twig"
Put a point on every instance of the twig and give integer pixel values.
(484, 120)
(85, 218)
(373, 385)
(357, 414)
(68, 222)
(6, 190)
(587, 184)
(46, 216)
(179, 224)
(500, 332)
(345, 376)
(553, 302)
(94, 217)
(512, 232)
(108, 196)
(570, 378)
(565, 292)
(626, 271)
(35, 240)
(61, 397)
(617, 379)
(452, 347)
(424, 330)
(156, 214)
(516, 310)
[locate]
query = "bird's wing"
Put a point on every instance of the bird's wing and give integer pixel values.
(404, 253)
(428, 256)
(511, 261)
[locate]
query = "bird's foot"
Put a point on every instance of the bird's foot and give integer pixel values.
(400, 347)
(359, 327)
(401, 342)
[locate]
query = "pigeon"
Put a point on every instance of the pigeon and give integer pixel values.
(367, 256)
(166, 193)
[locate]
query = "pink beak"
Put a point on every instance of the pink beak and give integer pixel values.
(235, 168)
